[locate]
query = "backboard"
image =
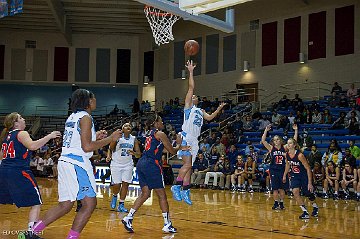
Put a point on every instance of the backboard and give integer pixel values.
(190, 11)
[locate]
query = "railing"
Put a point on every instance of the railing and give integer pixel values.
(319, 88)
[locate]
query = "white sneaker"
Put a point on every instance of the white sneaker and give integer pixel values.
(169, 228)
(127, 221)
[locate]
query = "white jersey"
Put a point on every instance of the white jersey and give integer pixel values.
(121, 156)
(72, 141)
(193, 121)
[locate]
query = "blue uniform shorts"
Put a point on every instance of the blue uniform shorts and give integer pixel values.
(300, 182)
(150, 173)
(276, 180)
(19, 187)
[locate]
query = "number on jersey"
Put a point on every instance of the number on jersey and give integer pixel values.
(197, 121)
(148, 143)
(67, 138)
(8, 150)
(279, 159)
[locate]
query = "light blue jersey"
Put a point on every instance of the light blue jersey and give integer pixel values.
(193, 121)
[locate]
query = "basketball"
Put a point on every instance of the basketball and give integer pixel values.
(191, 47)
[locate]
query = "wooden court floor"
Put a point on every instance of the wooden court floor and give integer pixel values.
(215, 214)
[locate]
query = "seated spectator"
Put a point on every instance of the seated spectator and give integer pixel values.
(308, 116)
(348, 158)
(254, 154)
(232, 154)
(291, 119)
(314, 156)
(249, 174)
(247, 148)
(343, 102)
(334, 100)
(275, 119)
(248, 124)
(349, 179)
(214, 156)
(332, 155)
(115, 111)
(284, 103)
(225, 178)
(316, 117)
(340, 123)
(353, 111)
(355, 150)
(327, 118)
(205, 153)
(314, 106)
(297, 103)
(299, 119)
(201, 166)
(219, 146)
(39, 165)
(332, 176)
(204, 143)
(352, 92)
(215, 172)
(336, 89)
(353, 124)
(237, 174)
(305, 141)
(263, 122)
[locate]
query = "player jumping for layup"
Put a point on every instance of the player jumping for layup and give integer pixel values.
(191, 129)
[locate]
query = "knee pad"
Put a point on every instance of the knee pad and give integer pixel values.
(311, 196)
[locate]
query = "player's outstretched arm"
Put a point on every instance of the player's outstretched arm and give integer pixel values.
(25, 139)
(215, 113)
(263, 138)
(86, 139)
(188, 98)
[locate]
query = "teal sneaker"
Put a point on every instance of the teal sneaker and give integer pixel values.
(176, 189)
(122, 208)
(185, 195)
(113, 202)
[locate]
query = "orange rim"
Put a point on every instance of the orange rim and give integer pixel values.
(148, 8)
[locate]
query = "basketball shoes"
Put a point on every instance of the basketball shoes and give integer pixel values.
(169, 228)
(175, 189)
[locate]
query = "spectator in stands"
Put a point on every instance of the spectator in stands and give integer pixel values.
(232, 154)
(306, 141)
(314, 156)
(247, 148)
(275, 119)
(249, 173)
(348, 158)
(334, 100)
(316, 117)
(225, 177)
(205, 153)
(340, 123)
(343, 102)
(136, 106)
(205, 104)
(200, 167)
(263, 122)
(355, 111)
(337, 146)
(314, 106)
(214, 156)
(40, 165)
(327, 118)
(336, 89)
(297, 103)
(332, 177)
(352, 92)
(115, 111)
(349, 179)
(248, 124)
(291, 119)
(355, 150)
(308, 116)
(204, 143)
(332, 155)
(299, 119)
(215, 172)
(283, 104)
(176, 102)
(353, 124)
(253, 154)
(212, 139)
(237, 175)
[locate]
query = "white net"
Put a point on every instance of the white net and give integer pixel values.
(161, 24)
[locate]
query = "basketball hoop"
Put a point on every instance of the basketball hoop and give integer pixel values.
(161, 24)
